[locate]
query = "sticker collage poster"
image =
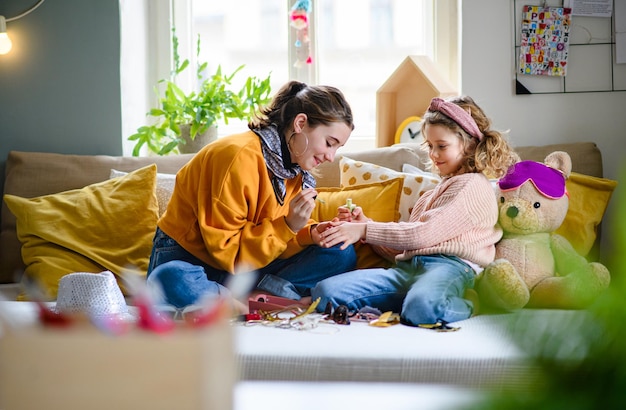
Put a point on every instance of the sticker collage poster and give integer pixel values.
(545, 39)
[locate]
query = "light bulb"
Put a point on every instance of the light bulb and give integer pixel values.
(5, 41)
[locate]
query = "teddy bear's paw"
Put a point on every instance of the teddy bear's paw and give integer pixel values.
(602, 275)
(500, 286)
(576, 290)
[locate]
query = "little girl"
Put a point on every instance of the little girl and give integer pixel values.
(450, 236)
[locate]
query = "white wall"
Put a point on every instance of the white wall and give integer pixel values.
(488, 76)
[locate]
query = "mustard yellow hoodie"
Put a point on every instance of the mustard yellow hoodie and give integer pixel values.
(224, 211)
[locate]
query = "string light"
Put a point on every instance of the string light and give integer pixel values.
(5, 40)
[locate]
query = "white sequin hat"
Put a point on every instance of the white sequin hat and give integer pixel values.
(96, 294)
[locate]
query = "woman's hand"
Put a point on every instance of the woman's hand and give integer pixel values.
(300, 209)
(316, 232)
(341, 232)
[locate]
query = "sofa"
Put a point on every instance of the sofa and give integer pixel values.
(478, 353)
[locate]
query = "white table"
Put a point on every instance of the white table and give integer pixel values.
(349, 395)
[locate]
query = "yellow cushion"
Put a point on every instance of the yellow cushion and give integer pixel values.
(104, 226)
(588, 199)
(164, 187)
(354, 173)
(379, 201)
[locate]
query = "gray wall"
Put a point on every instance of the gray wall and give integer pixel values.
(60, 84)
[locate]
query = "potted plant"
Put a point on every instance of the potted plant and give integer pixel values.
(182, 117)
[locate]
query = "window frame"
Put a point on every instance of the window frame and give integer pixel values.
(178, 13)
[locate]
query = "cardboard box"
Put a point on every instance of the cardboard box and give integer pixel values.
(407, 92)
(82, 368)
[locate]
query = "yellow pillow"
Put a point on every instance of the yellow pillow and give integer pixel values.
(105, 226)
(354, 173)
(164, 187)
(379, 201)
(588, 199)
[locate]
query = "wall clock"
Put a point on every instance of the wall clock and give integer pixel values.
(410, 130)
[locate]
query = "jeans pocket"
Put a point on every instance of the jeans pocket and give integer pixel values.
(165, 249)
(165, 254)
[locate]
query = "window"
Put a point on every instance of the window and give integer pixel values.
(355, 44)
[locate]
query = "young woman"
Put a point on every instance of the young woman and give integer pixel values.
(450, 235)
(243, 204)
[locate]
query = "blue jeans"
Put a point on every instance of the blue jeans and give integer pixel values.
(424, 289)
(184, 278)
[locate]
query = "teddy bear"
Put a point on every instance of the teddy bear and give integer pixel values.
(535, 267)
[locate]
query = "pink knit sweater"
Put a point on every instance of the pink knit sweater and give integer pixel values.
(458, 217)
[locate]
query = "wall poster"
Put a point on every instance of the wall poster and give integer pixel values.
(545, 38)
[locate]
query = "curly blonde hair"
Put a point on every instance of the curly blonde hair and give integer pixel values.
(492, 155)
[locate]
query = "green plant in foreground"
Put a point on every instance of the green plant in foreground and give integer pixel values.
(213, 102)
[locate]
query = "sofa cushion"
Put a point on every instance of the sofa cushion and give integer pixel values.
(588, 199)
(586, 156)
(104, 226)
(368, 196)
(164, 187)
(32, 174)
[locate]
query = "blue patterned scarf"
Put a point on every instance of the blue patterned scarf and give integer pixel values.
(276, 164)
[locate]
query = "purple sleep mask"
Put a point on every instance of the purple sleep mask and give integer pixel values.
(549, 182)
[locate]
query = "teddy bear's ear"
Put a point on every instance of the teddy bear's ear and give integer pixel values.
(560, 160)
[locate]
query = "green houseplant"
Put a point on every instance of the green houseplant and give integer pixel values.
(199, 111)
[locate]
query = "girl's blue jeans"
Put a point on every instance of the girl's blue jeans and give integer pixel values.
(184, 279)
(424, 289)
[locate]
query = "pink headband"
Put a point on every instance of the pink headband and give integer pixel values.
(458, 115)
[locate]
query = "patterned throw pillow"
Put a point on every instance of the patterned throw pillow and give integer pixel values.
(164, 187)
(354, 173)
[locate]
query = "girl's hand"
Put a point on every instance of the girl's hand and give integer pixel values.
(300, 209)
(357, 215)
(344, 233)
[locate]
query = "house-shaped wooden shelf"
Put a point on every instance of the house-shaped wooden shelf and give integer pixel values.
(407, 92)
